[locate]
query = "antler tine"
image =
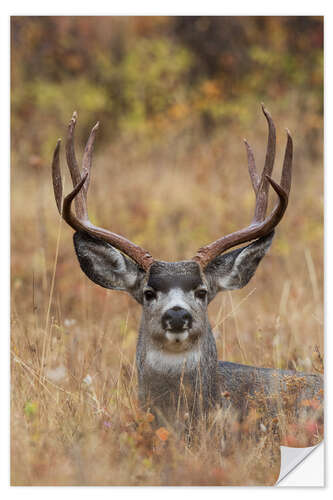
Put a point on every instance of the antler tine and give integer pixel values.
(80, 202)
(252, 167)
(287, 164)
(87, 158)
(56, 176)
(260, 225)
(67, 214)
(262, 193)
(80, 221)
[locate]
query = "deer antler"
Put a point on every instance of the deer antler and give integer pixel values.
(260, 225)
(80, 221)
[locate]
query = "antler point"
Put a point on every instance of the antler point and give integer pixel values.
(265, 111)
(73, 119)
(56, 150)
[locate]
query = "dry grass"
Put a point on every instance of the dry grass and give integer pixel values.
(75, 418)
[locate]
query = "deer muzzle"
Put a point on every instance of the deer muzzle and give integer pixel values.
(176, 320)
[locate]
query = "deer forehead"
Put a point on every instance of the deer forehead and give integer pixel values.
(173, 277)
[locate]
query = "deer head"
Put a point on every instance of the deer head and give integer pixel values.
(174, 295)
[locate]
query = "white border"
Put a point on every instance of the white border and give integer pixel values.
(144, 7)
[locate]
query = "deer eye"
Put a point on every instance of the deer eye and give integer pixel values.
(149, 295)
(201, 294)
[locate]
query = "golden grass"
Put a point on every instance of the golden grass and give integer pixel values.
(75, 418)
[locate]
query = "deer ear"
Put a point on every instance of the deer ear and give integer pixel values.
(108, 267)
(234, 269)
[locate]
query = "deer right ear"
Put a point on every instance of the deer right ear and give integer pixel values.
(108, 267)
(234, 269)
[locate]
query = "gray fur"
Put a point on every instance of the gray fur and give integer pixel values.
(266, 387)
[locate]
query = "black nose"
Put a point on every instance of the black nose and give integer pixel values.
(176, 319)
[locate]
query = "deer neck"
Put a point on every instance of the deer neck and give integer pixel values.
(168, 379)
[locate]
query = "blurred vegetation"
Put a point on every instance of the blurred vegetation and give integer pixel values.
(175, 96)
(141, 75)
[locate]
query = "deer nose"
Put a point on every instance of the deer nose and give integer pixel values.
(176, 319)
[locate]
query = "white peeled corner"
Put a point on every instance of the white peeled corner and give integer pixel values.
(300, 469)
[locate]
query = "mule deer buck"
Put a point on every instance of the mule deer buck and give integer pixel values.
(177, 364)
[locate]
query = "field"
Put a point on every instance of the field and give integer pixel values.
(171, 188)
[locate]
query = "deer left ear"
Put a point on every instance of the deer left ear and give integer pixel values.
(234, 269)
(108, 267)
